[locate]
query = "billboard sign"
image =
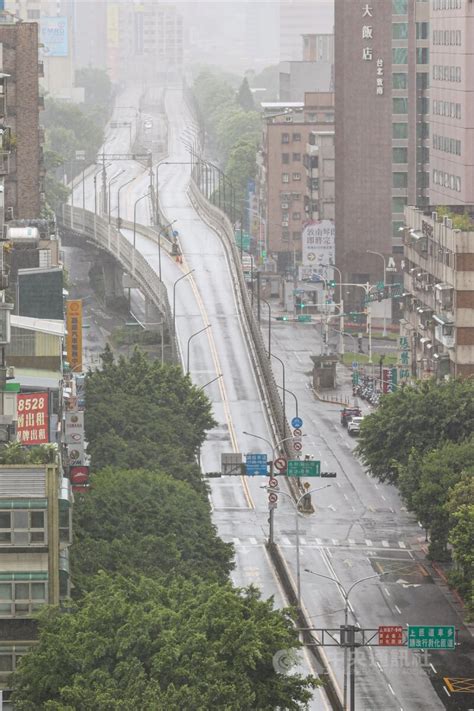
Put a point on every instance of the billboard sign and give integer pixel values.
(74, 438)
(54, 36)
(318, 247)
(32, 422)
(74, 334)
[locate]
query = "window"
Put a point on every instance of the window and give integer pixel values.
(285, 177)
(22, 528)
(285, 235)
(400, 80)
(422, 130)
(400, 155)
(285, 158)
(296, 176)
(18, 599)
(297, 136)
(296, 236)
(399, 30)
(399, 55)
(422, 30)
(399, 130)
(296, 216)
(398, 204)
(422, 55)
(296, 156)
(422, 80)
(399, 180)
(396, 224)
(296, 196)
(399, 7)
(285, 137)
(400, 106)
(422, 154)
(422, 105)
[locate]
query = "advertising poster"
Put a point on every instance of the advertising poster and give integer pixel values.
(74, 334)
(54, 36)
(32, 423)
(318, 248)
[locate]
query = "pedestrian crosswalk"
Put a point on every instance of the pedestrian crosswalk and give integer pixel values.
(310, 542)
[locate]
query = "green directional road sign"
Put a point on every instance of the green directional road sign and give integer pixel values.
(304, 318)
(304, 468)
(431, 637)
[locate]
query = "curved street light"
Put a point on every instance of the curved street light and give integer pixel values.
(112, 180)
(174, 297)
(189, 342)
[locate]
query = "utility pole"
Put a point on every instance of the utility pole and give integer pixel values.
(104, 185)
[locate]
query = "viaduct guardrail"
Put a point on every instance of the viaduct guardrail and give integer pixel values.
(109, 238)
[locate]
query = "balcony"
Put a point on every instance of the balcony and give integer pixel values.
(445, 335)
(4, 163)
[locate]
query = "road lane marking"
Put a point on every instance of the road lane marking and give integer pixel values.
(386, 544)
(351, 542)
(391, 689)
(318, 542)
(286, 540)
(401, 544)
(398, 609)
(368, 542)
(253, 541)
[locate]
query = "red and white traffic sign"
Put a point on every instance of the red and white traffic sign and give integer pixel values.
(272, 497)
(280, 463)
(390, 635)
(297, 446)
(297, 433)
(272, 482)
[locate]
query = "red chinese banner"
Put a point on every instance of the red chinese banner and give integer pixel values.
(33, 419)
(390, 635)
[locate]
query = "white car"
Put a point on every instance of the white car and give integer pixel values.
(353, 426)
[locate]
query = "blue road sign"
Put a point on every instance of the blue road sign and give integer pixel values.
(256, 464)
(355, 365)
(297, 423)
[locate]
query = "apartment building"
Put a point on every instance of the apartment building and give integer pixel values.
(319, 161)
(282, 181)
(452, 103)
(382, 132)
(437, 328)
(35, 532)
(21, 169)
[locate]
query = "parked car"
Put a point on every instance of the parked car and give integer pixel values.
(353, 426)
(349, 412)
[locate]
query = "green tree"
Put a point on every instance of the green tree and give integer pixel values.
(97, 86)
(136, 643)
(138, 521)
(418, 418)
(140, 414)
(244, 97)
(461, 538)
(241, 166)
(425, 482)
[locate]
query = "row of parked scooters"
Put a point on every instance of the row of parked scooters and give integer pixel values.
(367, 390)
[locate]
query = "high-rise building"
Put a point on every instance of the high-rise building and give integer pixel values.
(452, 103)
(382, 153)
(21, 165)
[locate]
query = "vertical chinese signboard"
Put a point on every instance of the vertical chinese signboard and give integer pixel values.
(404, 358)
(368, 49)
(33, 420)
(74, 334)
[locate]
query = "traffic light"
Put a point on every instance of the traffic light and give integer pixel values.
(332, 283)
(282, 318)
(379, 295)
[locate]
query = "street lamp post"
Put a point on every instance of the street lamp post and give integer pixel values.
(174, 297)
(148, 194)
(296, 504)
(345, 596)
(112, 179)
(379, 254)
(160, 230)
(291, 393)
(269, 327)
(189, 342)
(210, 381)
(118, 199)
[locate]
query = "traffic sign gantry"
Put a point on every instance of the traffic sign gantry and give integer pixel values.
(256, 464)
(304, 468)
(431, 637)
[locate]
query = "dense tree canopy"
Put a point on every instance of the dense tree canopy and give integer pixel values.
(146, 522)
(140, 414)
(135, 643)
(418, 418)
(425, 482)
(244, 97)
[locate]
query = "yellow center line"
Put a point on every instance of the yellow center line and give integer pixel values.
(221, 384)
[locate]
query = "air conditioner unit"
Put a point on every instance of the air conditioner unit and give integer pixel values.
(284, 206)
(10, 371)
(10, 213)
(288, 119)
